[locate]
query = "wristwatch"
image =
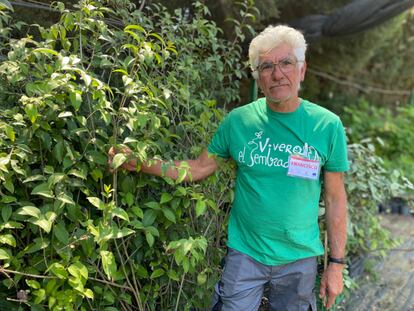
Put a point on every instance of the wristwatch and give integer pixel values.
(341, 261)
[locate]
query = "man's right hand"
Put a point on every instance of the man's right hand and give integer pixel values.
(130, 164)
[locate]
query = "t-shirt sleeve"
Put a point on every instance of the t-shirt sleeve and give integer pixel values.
(338, 156)
(220, 143)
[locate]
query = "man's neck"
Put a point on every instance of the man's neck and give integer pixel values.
(289, 105)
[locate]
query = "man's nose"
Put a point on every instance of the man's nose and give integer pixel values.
(277, 73)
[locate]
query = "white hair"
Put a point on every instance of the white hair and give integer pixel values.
(272, 37)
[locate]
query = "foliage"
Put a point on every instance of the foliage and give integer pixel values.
(391, 133)
(74, 235)
(369, 183)
(379, 57)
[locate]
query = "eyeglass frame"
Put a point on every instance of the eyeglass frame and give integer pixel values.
(295, 60)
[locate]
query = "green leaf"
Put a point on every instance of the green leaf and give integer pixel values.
(129, 199)
(43, 190)
(19, 170)
(97, 157)
(63, 197)
(46, 51)
(166, 197)
(75, 99)
(46, 221)
(150, 239)
(120, 213)
(186, 264)
(78, 173)
(149, 217)
(118, 160)
(180, 191)
(31, 112)
(8, 239)
(135, 27)
(38, 244)
(60, 232)
(59, 270)
(6, 212)
(8, 199)
(33, 284)
(108, 263)
(172, 274)
(65, 114)
(153, 205)
(137, 224)
(34, 178)
(4, 4)
(157, 273)
(182, 173)
(4, 255)
(78, 270)
(123, 232)
(5, 161)
(58, 151)
(200, 207)
(142, 272)
(157, 36)
(8, 184)
(55, 178)
(168, 213)
(29, 211)
(10, 133)
(121, 71)
(40, 296)
(152, 230)
(49, 169)
(97, 203)
(137, 212)
(12, 225)
(88, 293)
(201, 278)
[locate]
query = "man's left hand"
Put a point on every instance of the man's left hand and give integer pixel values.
(331, 284)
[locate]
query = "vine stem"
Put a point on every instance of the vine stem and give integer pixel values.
(36, 276)
(179, 292)
(2, 270)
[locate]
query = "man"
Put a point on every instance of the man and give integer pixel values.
(284, 146)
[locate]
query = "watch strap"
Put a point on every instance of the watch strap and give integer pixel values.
(341, 261)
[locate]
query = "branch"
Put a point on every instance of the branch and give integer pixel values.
(5, 271)
(366, 89)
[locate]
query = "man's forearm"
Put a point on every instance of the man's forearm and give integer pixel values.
(336, 213)
(187, 170)
(193, 170)
(336, 220)
(155, 167)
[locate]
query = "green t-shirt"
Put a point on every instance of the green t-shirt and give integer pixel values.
(274, 217)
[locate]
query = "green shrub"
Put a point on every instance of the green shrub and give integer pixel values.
(73, 235)
(391, 133)
(368, 184)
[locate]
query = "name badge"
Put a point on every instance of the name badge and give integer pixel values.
(304, 168)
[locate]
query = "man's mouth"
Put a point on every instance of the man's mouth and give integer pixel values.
(279, 85)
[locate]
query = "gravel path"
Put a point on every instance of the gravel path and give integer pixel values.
(393, 287)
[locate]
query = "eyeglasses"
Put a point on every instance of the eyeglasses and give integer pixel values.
(285, 65)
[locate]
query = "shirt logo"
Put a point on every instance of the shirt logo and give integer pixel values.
(263, 151)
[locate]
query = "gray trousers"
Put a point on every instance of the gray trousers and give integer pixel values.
(243, 280)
